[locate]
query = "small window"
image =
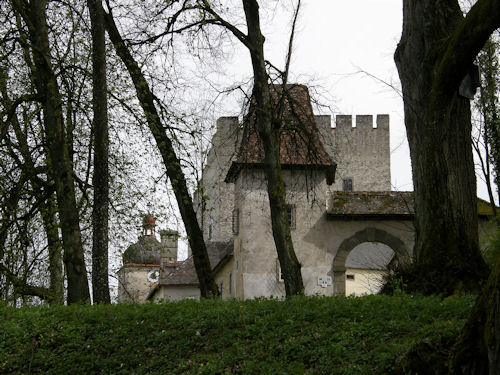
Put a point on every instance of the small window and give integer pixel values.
(236, 221)
(290, 210)
(347, 184)
(230, 283)
(237, 265)
(349, 277)
(221, 285)
(279, 274)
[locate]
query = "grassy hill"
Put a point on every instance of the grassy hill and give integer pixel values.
(313, 335)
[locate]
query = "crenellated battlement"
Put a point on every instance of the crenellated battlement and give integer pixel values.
(362, 122)
(361, 148)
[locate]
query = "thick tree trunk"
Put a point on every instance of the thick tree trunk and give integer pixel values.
(438, 125)
(100, 181)
(268, 133)
(59, 160)
(208, 288)
(477, 350)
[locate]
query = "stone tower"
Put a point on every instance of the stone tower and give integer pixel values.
(216, 214)
(362, 153)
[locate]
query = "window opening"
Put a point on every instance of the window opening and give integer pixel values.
(347, 184)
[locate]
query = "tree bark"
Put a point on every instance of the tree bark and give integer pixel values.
(56, 287)
(100, 181)
(268, 132)
(436, 51)
(477, 350)
(59, 161)
(208, 288)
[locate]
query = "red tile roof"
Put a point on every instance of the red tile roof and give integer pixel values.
(300, 145)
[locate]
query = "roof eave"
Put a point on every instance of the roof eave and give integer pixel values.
(371, 216)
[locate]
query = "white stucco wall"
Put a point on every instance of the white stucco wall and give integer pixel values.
(177, 293)
(133, 284)
(365, 282)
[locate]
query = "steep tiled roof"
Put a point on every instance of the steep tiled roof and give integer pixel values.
(365, 204)
(185, 274)
(300, 145)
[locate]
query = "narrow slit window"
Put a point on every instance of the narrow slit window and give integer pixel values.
(290, 210)
(236, 221)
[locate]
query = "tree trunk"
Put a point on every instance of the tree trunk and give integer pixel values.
(59, 161)
(100, 181)
(48, 209)
(268, 133)
(56, 286)
(477, 350)
(438, 126)
(208, 288)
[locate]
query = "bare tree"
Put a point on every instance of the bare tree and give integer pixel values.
(438, 124)
(208, 288)
(60, 164)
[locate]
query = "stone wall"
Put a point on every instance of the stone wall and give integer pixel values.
(219, 205)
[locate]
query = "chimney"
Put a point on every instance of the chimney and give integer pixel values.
(169, 246)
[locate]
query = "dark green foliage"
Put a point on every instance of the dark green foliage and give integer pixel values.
(415, 278)
(333, 335)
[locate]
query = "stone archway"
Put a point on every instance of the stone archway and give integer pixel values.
(365, 235)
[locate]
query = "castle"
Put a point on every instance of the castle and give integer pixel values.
(347, 225)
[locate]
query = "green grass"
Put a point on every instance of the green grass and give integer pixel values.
(313, 335)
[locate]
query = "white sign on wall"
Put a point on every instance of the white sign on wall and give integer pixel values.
(324, 281)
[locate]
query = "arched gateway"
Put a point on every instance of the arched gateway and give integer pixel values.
(365, 235)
